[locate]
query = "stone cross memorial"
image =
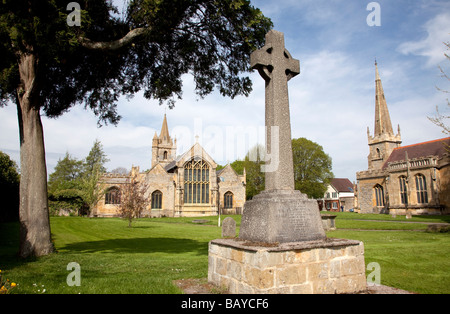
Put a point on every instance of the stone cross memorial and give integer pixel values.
(277, 67)
(280, 213)
(299, 258)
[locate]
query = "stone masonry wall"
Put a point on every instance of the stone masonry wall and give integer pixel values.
(325, 267)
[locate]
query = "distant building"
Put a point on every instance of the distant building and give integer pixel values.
(413, 179)
(339, 196)
(188, 185)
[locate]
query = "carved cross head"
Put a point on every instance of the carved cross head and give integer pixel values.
(274, 60)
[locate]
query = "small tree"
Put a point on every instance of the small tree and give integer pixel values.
(91, 189)
(133, 200)
(96, 159)
(64, 185)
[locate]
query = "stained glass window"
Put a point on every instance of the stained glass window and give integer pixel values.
(421, 187)
(196, 182)
(157, 200)
(379, 195)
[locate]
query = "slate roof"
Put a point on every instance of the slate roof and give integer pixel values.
(431, 148)
(342, 185)
(170, 166)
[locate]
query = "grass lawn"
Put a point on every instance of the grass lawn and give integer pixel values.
(148, 257)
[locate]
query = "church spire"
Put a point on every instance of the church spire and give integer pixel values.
(383, 141)
(164, 136)
(383, 123)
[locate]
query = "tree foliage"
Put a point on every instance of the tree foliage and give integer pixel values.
(211, 40)
(312, 167)
(96, 158)
(74, 185)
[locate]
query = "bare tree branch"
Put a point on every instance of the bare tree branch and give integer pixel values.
(112, 45)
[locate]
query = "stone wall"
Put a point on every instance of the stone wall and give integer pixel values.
(367, 180)
(230, 181)
(331, 266)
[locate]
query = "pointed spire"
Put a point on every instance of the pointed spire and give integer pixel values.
(383, 123)
(164, 136)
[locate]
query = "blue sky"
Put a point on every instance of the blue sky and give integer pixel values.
(332, 101)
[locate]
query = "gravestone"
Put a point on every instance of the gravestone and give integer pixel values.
(280, 213)
(228, 228)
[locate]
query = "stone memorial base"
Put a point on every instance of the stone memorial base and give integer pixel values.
(281, 216)
(310, 267)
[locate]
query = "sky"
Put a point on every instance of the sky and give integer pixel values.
(332, 101)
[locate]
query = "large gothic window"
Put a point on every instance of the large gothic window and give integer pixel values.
(379, 195)
(196, 182)
(421, 187)
(403, 190)
(157, 200)
(112, 196)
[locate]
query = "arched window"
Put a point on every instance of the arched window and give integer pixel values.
(421, 188)
(112, 196)
(165, 155)
(157, 200)
(228, 200)
(379, 195)
(196, 182)
(403, 190)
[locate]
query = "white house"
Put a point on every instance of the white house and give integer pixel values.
(339, 196)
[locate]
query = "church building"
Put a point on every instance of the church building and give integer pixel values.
(413, 179)
(185, 186)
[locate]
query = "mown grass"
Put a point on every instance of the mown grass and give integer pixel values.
(149, 256)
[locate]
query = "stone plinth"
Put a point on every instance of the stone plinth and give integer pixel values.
(281, 216)
(310, 267)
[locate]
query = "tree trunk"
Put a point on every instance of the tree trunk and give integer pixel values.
(35, 237)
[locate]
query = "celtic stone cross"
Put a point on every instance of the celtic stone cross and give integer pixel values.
(276, 65)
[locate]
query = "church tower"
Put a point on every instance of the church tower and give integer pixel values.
(383, 141)
(164, 149)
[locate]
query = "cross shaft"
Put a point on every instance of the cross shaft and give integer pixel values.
(276, 65)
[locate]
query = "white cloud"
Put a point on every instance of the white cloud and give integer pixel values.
(431, 47)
